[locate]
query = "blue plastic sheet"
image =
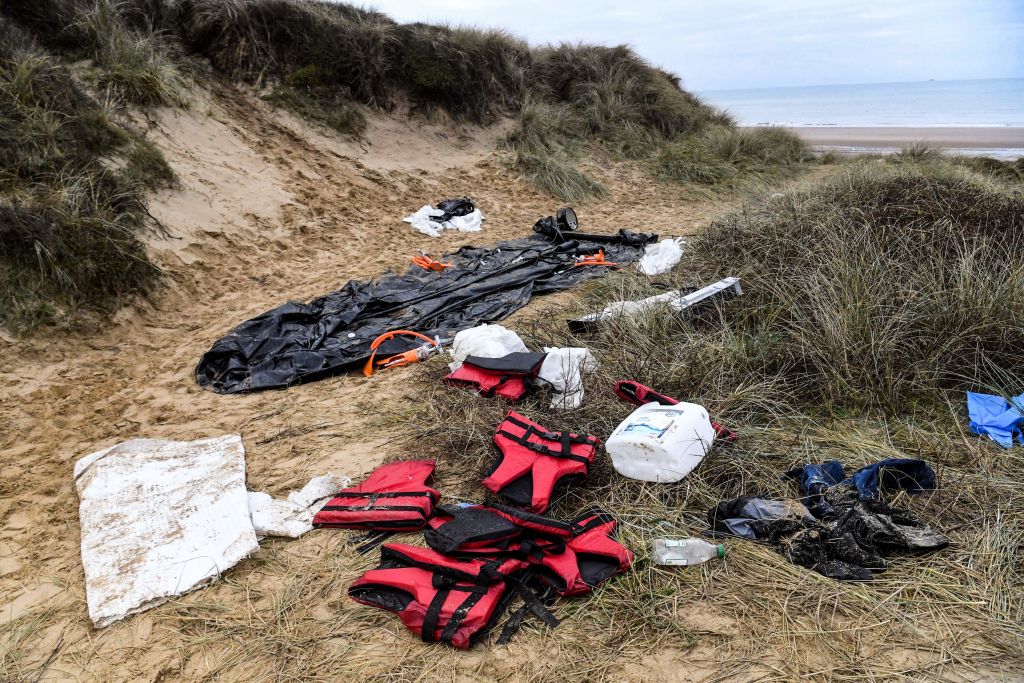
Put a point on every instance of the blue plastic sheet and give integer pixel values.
(997, 418)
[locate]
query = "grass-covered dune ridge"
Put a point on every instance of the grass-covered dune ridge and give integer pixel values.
(69, 68)
(73, 188)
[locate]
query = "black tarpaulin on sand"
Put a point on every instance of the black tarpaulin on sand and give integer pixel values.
(300, 342)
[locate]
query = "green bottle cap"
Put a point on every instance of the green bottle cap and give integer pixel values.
(721, 550)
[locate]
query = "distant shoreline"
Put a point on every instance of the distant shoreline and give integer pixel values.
(1006, 142)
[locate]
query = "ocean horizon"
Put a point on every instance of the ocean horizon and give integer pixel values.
(982, 103)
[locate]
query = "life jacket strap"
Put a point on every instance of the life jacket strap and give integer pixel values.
(433, 614)
(564, 439)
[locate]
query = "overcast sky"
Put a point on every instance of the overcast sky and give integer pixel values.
(716, 44)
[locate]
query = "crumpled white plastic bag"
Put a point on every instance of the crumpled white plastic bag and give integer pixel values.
(293, 516)
(563, 369)
(485, 341)
(423, 221)
(661, 257)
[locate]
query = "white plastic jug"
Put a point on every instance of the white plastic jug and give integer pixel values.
(661, 443)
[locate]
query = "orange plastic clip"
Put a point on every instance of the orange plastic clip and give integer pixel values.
(427, 262)
(597, 259)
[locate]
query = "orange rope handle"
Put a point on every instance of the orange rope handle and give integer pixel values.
(368, 368)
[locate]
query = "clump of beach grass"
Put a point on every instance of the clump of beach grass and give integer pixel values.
(70, 210)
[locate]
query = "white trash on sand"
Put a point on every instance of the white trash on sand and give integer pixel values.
(484, 341)
(563, 369)
(661, 257)
(293, 516)
(425, 221)
(160, 518)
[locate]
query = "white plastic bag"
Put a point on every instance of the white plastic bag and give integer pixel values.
(563, 369)
(485, 341)
(424, 221)
(293, 516)
(661, 257)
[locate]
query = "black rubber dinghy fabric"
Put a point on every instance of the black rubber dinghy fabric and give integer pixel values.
(300, 342)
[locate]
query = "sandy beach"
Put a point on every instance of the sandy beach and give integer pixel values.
(1003, 142)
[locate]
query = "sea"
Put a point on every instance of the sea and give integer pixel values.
(974, 103)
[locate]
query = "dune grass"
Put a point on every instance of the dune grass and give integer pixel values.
(72, 193)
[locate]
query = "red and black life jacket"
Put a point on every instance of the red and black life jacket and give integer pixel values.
(638, 395)
(432, 605)
(509, 377)
(395, 497)
(534, 460)
(570, 557)
(444, 599)
(588, 559)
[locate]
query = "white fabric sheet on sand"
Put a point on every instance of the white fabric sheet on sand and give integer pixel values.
(293, 516)
(160, 518)
(423, 221)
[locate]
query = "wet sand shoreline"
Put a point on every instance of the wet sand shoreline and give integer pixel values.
(1004, 142)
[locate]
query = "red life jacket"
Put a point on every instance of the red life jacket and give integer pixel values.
(509, 377)
(445, 599)
(589, 558)
(395, 497)
(432, 605)
(534, 460)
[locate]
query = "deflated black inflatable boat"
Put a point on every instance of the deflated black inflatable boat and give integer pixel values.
(300, 342)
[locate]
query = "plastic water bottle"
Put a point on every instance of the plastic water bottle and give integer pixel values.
(685, 552)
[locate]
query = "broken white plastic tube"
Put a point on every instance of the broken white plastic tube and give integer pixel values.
(676, 301)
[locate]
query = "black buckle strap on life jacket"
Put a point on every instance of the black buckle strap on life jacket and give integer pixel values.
(531, 603)
(433, 613)
(373, 497)
(371, 540)
(564, 439)
(590, 519)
